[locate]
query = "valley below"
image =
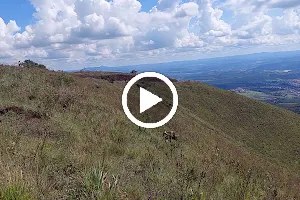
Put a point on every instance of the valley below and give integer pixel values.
(269, 77)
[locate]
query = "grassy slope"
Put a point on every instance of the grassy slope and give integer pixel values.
(230, 147)
(268, 130)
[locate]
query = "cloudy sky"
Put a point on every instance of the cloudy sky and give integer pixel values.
(71, 34)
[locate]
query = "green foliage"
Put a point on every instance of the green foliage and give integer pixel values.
(31, 64)
(15, 192)
(97, 184)
(65, 79)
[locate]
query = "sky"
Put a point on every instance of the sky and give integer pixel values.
(72, 34)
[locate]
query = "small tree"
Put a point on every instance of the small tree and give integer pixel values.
(30, 63)
(133, 72)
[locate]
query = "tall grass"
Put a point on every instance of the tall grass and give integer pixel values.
(17, 191)
(216, 156)
(98, 185)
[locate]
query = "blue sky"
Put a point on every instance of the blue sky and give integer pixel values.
(147, 4)
(69, 34)
(19, 10)
(22, 10)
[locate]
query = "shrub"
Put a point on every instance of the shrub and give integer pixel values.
(65, 79)
(30, 64)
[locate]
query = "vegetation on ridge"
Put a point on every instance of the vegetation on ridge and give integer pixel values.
(68, 138)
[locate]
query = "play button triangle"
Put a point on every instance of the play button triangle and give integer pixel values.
(147, 100)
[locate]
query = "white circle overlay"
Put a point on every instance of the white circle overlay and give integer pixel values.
(147, 75)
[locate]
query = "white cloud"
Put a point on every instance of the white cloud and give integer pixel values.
(166, 5)
(210, 21)
(7, 32)
(257, 25)
(288, 23)
(100, 31)
(250, 6)
(189, 9)
(283, 3)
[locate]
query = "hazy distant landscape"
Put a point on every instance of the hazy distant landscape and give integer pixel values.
(268, 77)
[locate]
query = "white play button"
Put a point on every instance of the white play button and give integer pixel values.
(147, 100)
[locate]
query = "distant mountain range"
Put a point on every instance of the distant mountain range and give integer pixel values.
(183, 69)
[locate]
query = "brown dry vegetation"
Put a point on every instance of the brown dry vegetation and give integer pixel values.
(112, 76)
(68, 138)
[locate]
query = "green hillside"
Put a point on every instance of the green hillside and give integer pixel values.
(65, 136)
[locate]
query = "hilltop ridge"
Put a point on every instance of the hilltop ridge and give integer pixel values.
(80, 144)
